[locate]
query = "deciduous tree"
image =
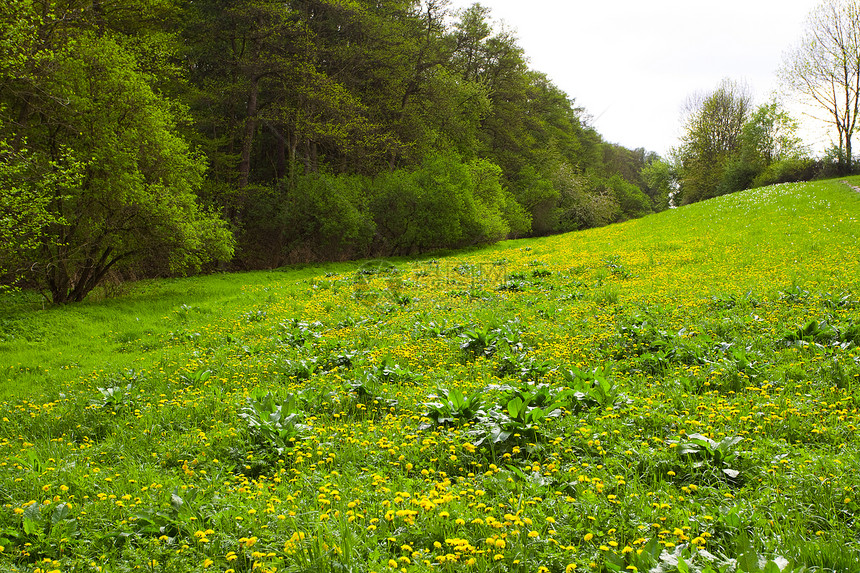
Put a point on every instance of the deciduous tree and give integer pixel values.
(113, 184)
(825, 69)
(711, 135)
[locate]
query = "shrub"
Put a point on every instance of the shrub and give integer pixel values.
(323, 217)
(445, 203)
(787, 171)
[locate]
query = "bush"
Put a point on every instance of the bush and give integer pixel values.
(418, 211)
(323, 217)
(740, 174)
(788, 171)
(539, 197)
(445, 203)
(631, 200)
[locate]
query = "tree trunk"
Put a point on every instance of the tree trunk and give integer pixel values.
(294, 144)
(250, 129)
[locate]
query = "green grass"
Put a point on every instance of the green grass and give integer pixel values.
(674, 393)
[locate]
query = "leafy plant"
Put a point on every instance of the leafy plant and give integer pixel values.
(437, 329)
(519, 417)
(197, 377)
(814, 332)
(524, 367)
(254, 316)
(115, 398)
(479, 341)
(849, 335)
(616, 267)
(451, 408)
(274, 422)
(300, 368)
(389, 371)
(181, 519)
(48, 529)
(512, 285)
(591, 388)
(719, 455)
(368, 395)
(297, 333)
(795, 295)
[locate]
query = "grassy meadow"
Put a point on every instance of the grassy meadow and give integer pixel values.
(675, 393)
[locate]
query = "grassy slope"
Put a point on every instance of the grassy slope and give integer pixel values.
(688, 309)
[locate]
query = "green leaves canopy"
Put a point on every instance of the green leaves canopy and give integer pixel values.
(109, 182)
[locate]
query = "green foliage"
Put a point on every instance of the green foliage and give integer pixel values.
(49, 527)
(179, 521)
(711, 136)
(787, 170)
(444, 203)
(337, 132)
(538, 196)
(322, 216)
(480, 341)
(274, 422)
(729, 147)
(632, 202)
(25, 205)
(123, 192)
(660, 180)
(720, 455)
(592, 388)
(452, 407)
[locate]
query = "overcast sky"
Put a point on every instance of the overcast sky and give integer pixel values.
(632, 64)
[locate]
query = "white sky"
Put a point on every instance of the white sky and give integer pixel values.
(632, 64)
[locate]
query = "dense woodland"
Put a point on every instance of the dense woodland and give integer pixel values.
(152, 137)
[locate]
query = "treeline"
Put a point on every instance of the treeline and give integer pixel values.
(347, 129)
(142, 138)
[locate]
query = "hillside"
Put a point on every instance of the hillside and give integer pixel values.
(682, 387)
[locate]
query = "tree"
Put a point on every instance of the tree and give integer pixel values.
(825, 68)
(660, 182)
(25, 193)
(112, 182)
(711, 135)
(767, 138)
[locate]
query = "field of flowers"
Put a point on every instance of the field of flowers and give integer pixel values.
(676, 393)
